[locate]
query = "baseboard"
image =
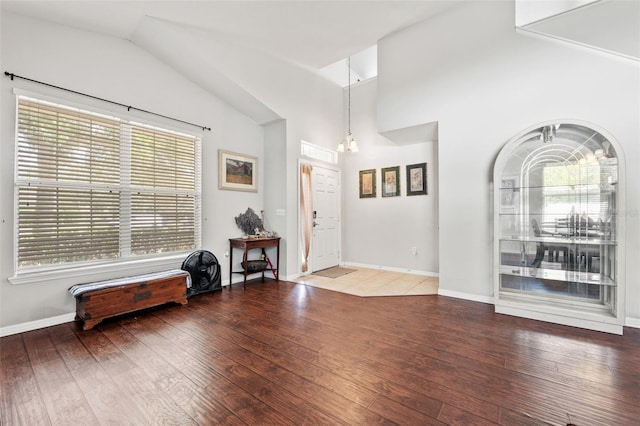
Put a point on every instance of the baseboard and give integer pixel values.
(465, 296)
(391, 269)
(37, 324)
(237, 278)
(61, 319)
(632, 322)
(560, 319)
(291, 277)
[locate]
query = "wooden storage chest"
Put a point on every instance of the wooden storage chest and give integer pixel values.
(98, 301)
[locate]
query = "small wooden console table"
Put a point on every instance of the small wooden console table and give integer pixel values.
(249, 244)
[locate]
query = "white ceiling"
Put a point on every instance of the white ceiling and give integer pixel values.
(320, 34)
(609, 25)
(314, 34)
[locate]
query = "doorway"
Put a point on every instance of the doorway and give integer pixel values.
(325, 238)
(324, 250)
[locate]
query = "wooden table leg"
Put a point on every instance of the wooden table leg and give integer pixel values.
(230, 266)
(278, 262)
(246, 267)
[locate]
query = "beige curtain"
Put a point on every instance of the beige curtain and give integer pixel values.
(306, 209)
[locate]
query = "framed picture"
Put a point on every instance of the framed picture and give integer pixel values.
(390, 180)
(368, 183)
(237, 172)
(417, 179)
(508, 192)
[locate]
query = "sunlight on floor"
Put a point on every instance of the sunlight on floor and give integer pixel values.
(375, 282)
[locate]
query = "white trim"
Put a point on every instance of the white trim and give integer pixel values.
(292, 277)
(392, 269)
(87, 271)
(632, 322)
(125, 263)
(69, 317)
(609, 54)
(307, 150)
(328, 166)
(37, 324)
(559, 319)
(239, 279)
(465, 296)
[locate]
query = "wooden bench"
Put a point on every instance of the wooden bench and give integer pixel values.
(100, 300)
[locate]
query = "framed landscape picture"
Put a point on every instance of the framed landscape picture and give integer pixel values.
(417, 179)
(390, 180)
(237, 172)
(367, 183)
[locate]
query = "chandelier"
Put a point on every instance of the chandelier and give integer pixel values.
(349, 144)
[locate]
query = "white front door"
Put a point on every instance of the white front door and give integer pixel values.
(325, 240)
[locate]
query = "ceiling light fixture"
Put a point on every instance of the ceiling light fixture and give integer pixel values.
(349, 144)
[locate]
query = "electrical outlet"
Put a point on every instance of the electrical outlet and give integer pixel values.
(414, 251)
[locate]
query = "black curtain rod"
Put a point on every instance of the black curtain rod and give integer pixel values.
(128, 107)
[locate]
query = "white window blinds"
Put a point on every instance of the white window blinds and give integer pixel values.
(92, 187)
(163, 175)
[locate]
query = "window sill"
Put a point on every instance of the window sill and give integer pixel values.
(100, 271)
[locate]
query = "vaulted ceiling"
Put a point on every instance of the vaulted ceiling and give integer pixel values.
(310, 33)
(196, 36)
(205, 40)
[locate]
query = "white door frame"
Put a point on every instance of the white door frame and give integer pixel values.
(335, 168)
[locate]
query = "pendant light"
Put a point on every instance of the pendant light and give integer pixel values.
(349, 144)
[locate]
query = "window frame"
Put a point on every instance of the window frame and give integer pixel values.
(120, 265)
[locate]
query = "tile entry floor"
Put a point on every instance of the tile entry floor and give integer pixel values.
(374, 282)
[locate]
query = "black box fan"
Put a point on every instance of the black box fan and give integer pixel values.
(205, 274)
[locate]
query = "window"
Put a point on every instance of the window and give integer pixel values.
(318, 152)
(92, 187)
(571, 189)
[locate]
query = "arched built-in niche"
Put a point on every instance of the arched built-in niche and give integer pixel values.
(559, 248)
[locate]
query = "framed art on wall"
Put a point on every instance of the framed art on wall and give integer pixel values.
(237, 172)
(417, 179)
(390, 179)
(367, 184)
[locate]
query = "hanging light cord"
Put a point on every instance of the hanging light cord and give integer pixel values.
(349, 79)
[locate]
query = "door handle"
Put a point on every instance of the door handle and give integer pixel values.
(315, 223)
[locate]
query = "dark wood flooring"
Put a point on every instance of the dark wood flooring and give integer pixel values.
(284, 353)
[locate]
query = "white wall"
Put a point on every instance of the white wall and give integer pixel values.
(468, 70)
(312, 108)
(113, 69)
(275, 198)
(380, 232)
(122, 71)
(310, 105)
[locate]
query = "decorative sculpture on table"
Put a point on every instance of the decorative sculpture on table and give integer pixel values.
(252, 225)
(249, 222)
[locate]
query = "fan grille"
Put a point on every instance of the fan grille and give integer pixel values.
(204, 269)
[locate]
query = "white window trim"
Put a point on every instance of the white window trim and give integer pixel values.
(89, 271)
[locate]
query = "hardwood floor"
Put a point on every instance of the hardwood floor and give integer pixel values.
(284, 353)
